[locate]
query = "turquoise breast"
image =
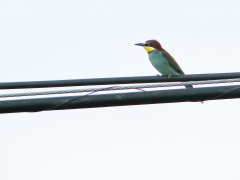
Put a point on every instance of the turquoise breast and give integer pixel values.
(160, 62)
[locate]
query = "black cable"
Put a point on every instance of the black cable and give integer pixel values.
(120, 99)
(117, 80)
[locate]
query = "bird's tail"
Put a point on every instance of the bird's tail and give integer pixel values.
(188, 86)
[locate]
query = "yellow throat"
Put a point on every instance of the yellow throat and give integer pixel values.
(148, 48)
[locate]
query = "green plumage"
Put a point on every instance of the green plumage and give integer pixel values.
(165, 64)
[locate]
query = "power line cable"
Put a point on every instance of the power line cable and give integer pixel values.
(114, 88)
(120, 99)
(117, 80)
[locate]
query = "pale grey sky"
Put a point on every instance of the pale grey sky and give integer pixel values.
(69, 39)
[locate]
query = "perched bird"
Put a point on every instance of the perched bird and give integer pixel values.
(161, 59)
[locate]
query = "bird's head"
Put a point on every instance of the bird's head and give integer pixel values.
(151, 45)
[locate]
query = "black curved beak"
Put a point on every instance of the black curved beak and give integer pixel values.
(139, 44)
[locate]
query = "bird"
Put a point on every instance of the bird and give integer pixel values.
(161, 59)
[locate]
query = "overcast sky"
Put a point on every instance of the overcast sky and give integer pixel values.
(70, 39)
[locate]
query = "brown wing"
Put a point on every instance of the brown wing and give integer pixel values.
(172, 62)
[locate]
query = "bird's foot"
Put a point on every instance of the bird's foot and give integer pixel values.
(169, 75)
(158, 75)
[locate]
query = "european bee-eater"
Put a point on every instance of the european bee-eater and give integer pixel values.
(161, 59)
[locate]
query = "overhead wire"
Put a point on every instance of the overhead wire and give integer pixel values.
(120, 99)
(115, 88)
(117, 80)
